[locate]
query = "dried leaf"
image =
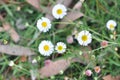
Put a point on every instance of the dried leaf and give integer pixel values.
(60, 1)
(5, 1)
(35, 3)
(6, 26)
(78, 5)
(54, 68)
(20, 78)
(14, 35)
(49, 16)
(16, 50)
(1, 18)
(71, 16)
(64, 2)
(109, 77)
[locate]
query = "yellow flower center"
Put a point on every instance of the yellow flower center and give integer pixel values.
(44, 24)
(59, 11)
(111, 26)
(84, 38)
(46, 47)
(60, 48)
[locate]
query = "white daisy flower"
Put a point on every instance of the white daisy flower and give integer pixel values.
(60, 47)
(84, 38)
(46, 48)
(44, 24)
(111, 24)
(11, 63)
(59, 11)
